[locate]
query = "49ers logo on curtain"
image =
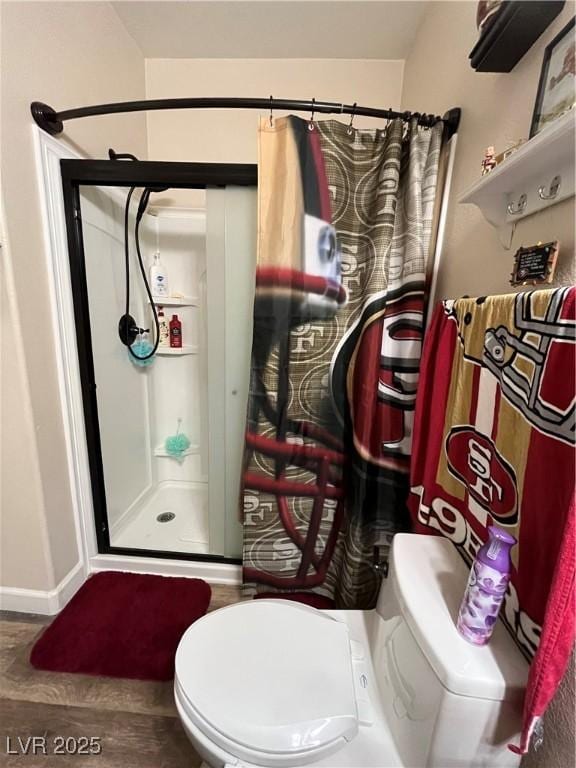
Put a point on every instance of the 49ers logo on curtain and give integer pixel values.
(377, 368)
(474, 460)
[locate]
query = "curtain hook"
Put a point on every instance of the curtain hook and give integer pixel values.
(271, 115)
(389, 118)
(350, 129)
(311, 123)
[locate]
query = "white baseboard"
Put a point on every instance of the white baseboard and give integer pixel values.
(46, 603)
(213, 573)
(51, 602)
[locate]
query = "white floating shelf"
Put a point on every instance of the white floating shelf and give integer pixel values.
(528, 170)
(177, 351)
(161, 452)
(172, 301)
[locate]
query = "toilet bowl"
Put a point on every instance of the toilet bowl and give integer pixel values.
(276, 683)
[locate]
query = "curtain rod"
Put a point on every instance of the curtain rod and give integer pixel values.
(53, 122)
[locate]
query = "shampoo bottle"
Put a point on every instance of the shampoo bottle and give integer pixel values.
(164, 329)
(158, 278)
(175, 332)
(486, 587)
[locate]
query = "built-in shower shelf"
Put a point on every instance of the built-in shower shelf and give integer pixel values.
(161, 452)
(177, 351)
(173, 301)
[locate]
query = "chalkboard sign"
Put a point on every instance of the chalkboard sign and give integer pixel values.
(535, 264)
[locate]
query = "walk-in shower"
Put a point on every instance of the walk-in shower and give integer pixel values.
(203, 225)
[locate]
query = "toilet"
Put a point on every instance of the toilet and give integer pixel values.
(277, 683)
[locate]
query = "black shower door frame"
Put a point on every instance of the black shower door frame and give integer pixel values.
(124, 173)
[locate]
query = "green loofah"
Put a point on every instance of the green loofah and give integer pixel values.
(176, 445)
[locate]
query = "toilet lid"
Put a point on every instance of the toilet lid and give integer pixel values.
(269, 681)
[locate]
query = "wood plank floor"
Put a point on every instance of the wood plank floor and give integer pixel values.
(136, 721)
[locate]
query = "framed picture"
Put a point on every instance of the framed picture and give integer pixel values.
(557, 86)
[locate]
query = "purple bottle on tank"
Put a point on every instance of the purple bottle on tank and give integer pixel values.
(486, 587)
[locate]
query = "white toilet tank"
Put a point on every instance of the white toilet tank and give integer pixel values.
(447, 703)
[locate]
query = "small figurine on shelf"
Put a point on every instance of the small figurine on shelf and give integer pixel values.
(489, 161)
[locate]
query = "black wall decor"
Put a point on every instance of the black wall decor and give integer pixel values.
(548, 110)
(512, 33)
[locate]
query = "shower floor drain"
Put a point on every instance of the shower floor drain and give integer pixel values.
(165, 517)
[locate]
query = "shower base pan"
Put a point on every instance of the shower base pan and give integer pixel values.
(173, 519)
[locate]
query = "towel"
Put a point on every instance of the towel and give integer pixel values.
(556, 642)
(494, 444)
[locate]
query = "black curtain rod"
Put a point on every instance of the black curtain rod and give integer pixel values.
(53, 122)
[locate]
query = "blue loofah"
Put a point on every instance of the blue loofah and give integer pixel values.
(177, 444)
(141, 348)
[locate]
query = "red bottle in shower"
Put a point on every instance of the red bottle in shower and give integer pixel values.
(175, 332)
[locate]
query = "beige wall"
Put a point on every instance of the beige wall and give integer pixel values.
(66, 54)
(229, 136)
(23, 560)
(496, 109)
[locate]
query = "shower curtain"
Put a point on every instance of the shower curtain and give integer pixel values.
(345, 220)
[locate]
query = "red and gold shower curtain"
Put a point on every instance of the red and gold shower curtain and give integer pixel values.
(344, 227)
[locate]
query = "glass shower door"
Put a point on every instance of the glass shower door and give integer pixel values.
(231, 273)
(152, 501)
(122, 390)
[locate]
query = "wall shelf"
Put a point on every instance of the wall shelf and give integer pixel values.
(515, 28)
(160, 452)
(528, 170)
(177, 351)
(172, 301)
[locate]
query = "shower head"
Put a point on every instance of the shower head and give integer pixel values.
(143, 204)
(145, 199)
(128, 329)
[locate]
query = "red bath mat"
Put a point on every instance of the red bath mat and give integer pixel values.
(122, 625)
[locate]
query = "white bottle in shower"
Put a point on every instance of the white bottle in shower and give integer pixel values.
(158, 278)
(163, 329)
